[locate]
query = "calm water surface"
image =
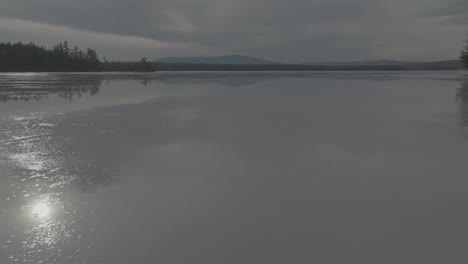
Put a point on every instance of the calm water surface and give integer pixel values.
(234, 168)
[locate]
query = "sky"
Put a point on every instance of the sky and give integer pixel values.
(278, 30)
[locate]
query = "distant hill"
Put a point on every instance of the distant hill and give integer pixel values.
(436, 65)
(244, 63)
(225, 60)
(407, 65)
(361, 63)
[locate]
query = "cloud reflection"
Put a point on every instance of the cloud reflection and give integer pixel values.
(210, 166)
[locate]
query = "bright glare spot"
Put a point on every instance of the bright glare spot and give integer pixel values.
(41, 210)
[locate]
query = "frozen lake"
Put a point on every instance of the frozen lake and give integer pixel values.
(261, 168)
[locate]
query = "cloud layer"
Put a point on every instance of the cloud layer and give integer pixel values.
(290, 31)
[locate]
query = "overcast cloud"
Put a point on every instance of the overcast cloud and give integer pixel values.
(281, 30)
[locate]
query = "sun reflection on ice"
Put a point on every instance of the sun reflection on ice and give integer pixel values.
(50, 229)
(41, 210)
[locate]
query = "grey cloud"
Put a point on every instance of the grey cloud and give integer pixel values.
(296, 30)
(455, 12)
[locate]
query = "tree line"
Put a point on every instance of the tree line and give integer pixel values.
(29, 57)
(20, 57)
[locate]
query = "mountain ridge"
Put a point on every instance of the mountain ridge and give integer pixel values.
(238, 62)
(381, 63)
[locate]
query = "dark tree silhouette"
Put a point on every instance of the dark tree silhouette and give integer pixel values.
(141, 66)
(464, 55)
(19, 57)
(147, 66)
